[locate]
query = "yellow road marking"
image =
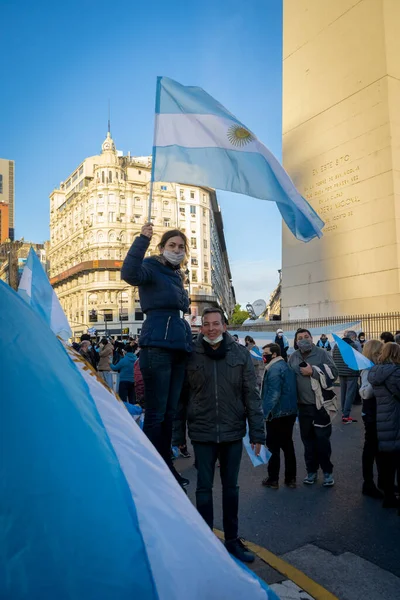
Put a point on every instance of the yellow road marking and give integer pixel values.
(298, 577)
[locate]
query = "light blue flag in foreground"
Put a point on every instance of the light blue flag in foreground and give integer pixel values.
(35, 288)
(88, 509)
(353, 359)
(197, 141)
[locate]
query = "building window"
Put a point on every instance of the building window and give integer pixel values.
(204, 199)
(112, 276)
(204, 212)
(1, 184)
(194, 261)
(138, 201)
(192, 195)
(192, 209)
(108, 315)
(138, 315)
(81, 171)
(111, 217)
(182, 211)
(193, 243)
(205, 276)
(123, 314)
(205, 244)
(102, 177)
(164, 188)
(110, 176)
(167, 223)
(93, 316)
(205, 264)
(194, 276)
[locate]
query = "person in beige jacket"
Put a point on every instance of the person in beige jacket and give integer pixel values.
(106, 354)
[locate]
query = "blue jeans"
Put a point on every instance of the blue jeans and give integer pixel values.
(348, 392)
(163, 373)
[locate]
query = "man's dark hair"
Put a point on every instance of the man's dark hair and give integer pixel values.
(235, 336)
(300, 330)
(210, 310)
(273, 348)
(386, 337)
(85, 337)
(129, 348)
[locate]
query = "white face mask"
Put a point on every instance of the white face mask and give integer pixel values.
(215, 341)
(174, 259)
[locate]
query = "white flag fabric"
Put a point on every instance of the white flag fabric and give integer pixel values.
(35, 288)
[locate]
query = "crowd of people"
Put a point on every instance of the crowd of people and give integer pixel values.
(213, 388)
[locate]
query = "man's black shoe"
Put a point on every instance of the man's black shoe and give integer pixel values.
(240, 551)
(370, 489)
(183, 482)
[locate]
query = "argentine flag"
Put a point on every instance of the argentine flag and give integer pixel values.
(353, 359)
(197, 141)
(88, 509)
(36, 290)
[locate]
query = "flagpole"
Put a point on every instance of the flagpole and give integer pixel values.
(153, 155)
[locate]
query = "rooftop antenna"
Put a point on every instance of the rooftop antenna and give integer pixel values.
(109, 119)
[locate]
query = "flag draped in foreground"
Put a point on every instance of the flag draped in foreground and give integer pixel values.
(88, 509)
(36, 290)
(353, 359)
(197, 141)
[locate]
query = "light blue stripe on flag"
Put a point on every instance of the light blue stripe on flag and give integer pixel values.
(72, 529)
(198, 142)
(353, 359)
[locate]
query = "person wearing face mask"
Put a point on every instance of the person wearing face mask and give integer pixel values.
(166, 339)
(282, 342)
(323, 342)
(279, 398)
(315, 426)
(221, 396)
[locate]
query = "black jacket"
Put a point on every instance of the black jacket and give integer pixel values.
(220, 396)
(385, 380)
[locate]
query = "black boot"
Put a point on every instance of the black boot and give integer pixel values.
(240, 551)
(370, 489)
(183, 482)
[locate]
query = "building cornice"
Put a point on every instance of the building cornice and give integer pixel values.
(87, 265)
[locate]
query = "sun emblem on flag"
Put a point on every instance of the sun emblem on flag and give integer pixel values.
(239, 135)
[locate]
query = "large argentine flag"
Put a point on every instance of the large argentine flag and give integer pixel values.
(353, 359)
(197, 141)
(36, 290)
(88, 509)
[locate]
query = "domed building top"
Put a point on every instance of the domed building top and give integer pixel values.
(108, 144)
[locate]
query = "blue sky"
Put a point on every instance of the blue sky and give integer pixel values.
(62, 61)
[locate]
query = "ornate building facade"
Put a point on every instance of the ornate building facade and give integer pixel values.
(95, 215)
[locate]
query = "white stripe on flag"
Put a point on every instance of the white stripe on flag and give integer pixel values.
(198, 131)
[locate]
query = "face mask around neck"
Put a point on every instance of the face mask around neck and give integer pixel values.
(174, 259)
(213, 342)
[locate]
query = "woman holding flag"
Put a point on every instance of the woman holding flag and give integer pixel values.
(166, 338)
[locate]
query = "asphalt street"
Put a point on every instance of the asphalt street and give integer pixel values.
(337, 520)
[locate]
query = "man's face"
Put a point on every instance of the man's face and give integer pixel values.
(267, 355)
(323, 338)
(213, 326)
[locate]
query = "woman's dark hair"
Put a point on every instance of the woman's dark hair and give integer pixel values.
(386, 337)
(170, 234)
(300, 330)
(249, 340)
(361, 334)
(129, 348)
(104, 341)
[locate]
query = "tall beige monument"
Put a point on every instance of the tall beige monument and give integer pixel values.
(341, 146)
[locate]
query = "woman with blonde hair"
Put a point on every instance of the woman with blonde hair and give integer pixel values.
(385, 381)
(372, 350)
